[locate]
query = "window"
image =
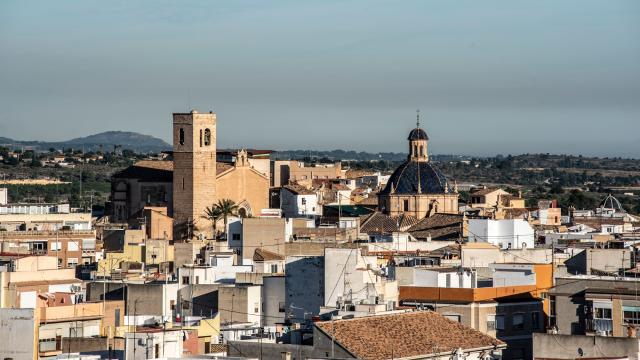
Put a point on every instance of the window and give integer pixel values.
(116, 315)
(281, 306)
(72, 246)
(406, 205)
(602, 313)
(535, 320)
(185, 280)
(181, 136)
(453, 317)
(491, 322)
(421, 150)
(207, 137)
(499, 322)
(256, 307)
(200, 137)
(518, 321)
(50, 344)
(274, 268)
(235, 237)
(415, 150)
(552, 310)
(72, 262)
(631, 314)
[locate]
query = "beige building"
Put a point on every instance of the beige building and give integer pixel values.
(244, 184)
(294, 171)
(417, 187)
(498, 204)
(32, 276)
(264, 234)
(69, 247)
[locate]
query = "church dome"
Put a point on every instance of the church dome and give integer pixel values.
(405, 179)
(418, 134)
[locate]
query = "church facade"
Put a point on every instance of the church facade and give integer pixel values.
(417, 187)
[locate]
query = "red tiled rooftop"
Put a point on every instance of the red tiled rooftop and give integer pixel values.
(404, 335)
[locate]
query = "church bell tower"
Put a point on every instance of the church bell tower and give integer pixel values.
(194, 172)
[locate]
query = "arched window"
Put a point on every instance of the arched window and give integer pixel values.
(207, 137)
(242, 212)
(181, 136)
(415, 150)
(200, 137)
(421, 150)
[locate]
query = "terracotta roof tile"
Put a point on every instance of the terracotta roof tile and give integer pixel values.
(438, 226)
(480, 192)
(264, 255)
(378, 223)
(299, 190)
(404, 335)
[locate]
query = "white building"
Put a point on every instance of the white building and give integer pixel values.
(154, 344)
(513, 274)
(351, 278)
(296, 201)
(372, 181)
(506, 234)
(219, 269)
(273, 300)
(4, 196)
(442, 277)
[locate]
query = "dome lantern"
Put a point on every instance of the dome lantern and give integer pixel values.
(418, 142)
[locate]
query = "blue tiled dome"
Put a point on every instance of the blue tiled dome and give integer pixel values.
(418, 134)
(407, 176)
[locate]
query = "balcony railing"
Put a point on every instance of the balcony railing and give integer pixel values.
(599, 326)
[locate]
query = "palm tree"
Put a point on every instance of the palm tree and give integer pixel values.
(213, 214)
(227, 207)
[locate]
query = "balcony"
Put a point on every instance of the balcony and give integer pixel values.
(601, 327)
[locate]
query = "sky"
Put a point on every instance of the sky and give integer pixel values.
(489, 77)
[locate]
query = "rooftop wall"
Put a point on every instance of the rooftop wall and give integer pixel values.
(460, 294)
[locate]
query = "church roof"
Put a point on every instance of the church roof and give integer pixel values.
(418, 134)
(157, 171)
(405, 179)
(148, 171)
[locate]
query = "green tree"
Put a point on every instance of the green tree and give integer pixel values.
(213, 214)
(227, 207)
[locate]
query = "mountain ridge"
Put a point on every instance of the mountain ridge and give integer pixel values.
(123, 139)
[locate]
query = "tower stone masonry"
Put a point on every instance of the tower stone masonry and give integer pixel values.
(194, 172)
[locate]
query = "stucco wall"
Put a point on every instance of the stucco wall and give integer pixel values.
(17, 334)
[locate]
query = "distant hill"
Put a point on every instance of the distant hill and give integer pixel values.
(105, 141)
(349, 155)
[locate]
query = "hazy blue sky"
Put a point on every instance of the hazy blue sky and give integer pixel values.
(489, 76)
